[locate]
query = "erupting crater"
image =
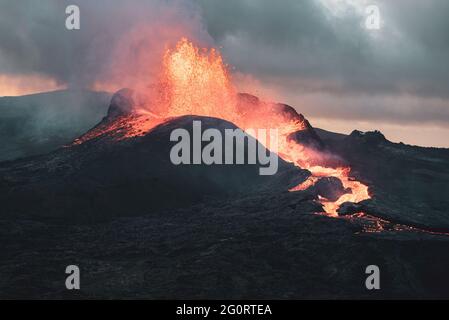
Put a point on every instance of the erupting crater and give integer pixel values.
(196, 81)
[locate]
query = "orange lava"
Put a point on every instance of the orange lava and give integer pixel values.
(195, 81)
(359, 191)
(377, 225)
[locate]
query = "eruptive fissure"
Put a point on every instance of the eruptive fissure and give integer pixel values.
(373, 224)
(196, 81)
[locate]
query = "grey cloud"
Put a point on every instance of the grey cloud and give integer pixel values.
(297, 38)
(295, 45)
(386, 109)
(286, 38)
(33, 37)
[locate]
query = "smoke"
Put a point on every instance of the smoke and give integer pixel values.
(120, 43)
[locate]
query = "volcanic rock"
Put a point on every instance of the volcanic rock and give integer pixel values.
(348, 208)
(122, 103)
(330, 188)
(370, 137)
(259, 247)
(251, 106)
(309, 138)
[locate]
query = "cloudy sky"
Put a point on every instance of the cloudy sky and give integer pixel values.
(316, 55)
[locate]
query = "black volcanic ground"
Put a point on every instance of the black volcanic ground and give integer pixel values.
(104, 178)
(140, 228)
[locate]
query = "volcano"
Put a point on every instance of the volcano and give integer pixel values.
(112, 202)
(196, 82)
(116, 170)
(120, 166)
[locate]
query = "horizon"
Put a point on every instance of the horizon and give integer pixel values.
(323, 124)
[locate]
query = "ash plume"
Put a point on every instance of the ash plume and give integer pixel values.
(117, 44)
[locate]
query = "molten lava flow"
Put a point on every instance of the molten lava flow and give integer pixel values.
(359, 191)
(197, 82)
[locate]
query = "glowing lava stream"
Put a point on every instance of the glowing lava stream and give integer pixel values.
(196, 82)
(359, 191)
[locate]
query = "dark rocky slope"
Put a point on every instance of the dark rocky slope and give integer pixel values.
(260, 246)
(103, 177)
(409, 184)
(40, 123)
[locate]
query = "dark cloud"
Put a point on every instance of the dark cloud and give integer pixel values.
(286, 38)
(299, 38)
(320, 55)
(325, 62)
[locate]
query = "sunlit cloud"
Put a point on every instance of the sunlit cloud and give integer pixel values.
(17, 85)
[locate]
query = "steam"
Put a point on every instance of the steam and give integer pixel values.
(136, 58)
(120, 43)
